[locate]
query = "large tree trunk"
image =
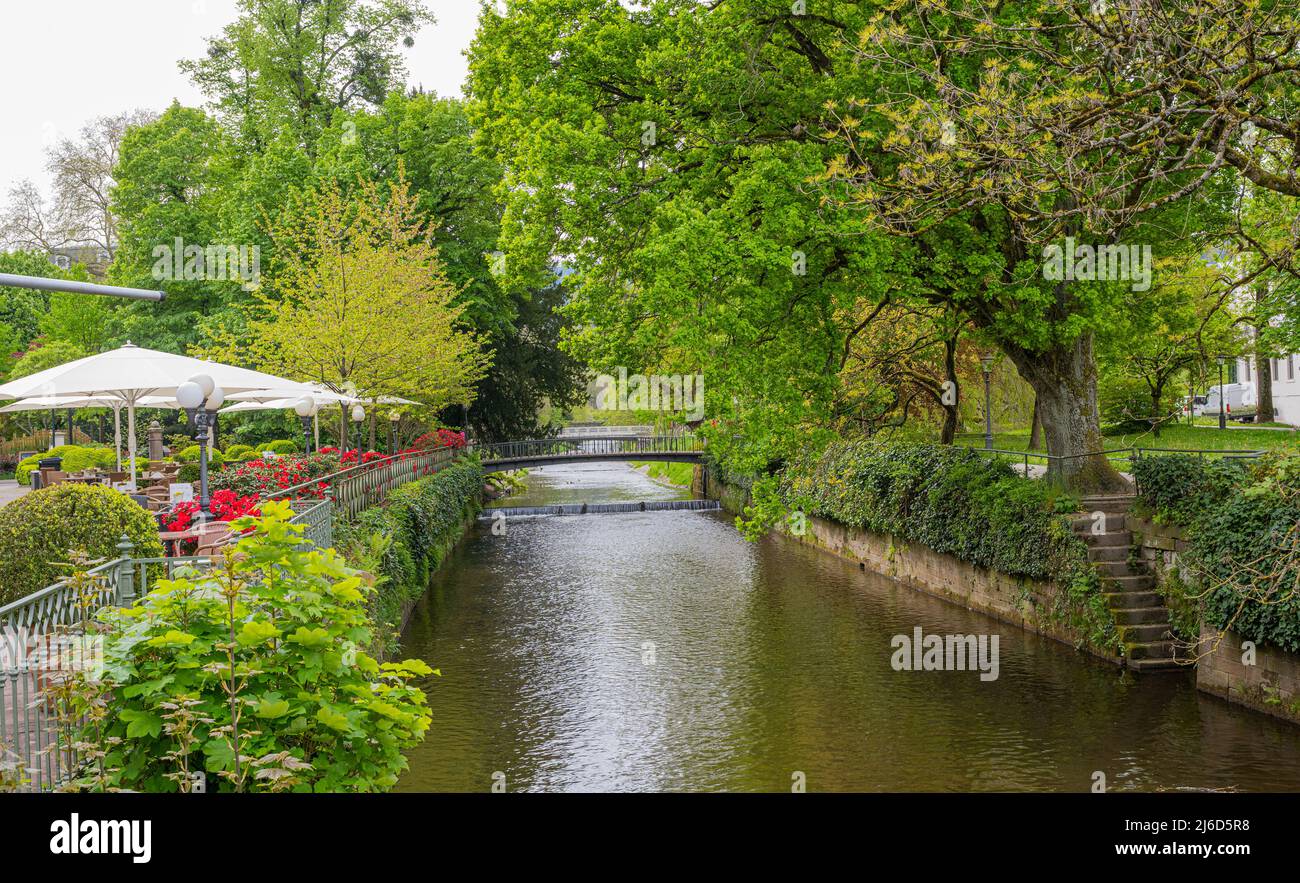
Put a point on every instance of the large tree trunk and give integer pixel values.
(1035, 428)
(1065, 381)
(1264, 388)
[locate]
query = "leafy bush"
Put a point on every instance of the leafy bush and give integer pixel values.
(956, 501)
(1244, 553)
(257, 476)
(1179, 488)
(1125, 403)
(193, 453)
(255, 671)
(38, 530)
(239, 452)
(281, 446)
(407, 539)
(75, 458)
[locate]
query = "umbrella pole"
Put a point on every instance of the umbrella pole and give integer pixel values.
(130, 430)
(117, 435)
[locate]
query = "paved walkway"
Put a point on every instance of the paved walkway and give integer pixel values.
(11, 490)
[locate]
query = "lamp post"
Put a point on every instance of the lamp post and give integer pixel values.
(1223, 415)
(358, 415)
(987, 363)
(306, 408)
(204, 397)
(393, 417)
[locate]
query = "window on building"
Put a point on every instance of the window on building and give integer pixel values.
(1290, 367)
(1232, 371)
(1276, 372)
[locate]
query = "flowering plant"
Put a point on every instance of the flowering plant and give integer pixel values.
(226, 506)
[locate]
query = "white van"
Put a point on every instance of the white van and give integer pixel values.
(1239, 400)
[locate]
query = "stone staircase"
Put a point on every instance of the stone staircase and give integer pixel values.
(1140, 614)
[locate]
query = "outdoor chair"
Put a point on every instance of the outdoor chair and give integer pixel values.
(212, 537)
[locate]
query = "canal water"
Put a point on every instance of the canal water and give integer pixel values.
(661, 651)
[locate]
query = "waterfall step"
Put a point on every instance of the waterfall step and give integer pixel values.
(601, 508)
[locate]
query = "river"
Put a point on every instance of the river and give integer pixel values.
(661, 651)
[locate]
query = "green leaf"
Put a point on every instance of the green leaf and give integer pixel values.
(255, 632)
(313, 638)
(332, 719)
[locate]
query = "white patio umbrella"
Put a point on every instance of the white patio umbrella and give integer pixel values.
(42, 403)
(131, 374)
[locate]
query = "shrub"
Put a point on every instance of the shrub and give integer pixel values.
(956, 501)
(1244, 554)
(193, 453)
(1179, 488)
(239, 452)
(75, 458)
(38, 530)
(292, 702)
(408, 538)
(281, 446)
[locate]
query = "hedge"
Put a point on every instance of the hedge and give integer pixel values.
(1180, 488)
(75, 458)
(1243, 526)
(406, 539)
(958, 502)
(281, 446)
(194, 453)
(39, 529)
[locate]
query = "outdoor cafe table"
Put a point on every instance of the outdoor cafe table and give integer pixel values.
(173, 538)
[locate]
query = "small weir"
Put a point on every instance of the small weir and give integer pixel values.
(602, 508)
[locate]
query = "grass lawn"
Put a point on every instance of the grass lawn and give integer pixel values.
(679, 474)
(1184, 437)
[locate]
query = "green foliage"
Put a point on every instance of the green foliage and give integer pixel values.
(281, 446)
(407, 539)
(75, 458)
(38, 530)
(239, 452)
(1180, 488)
(955, 501)
(1125, 403)
(47, 355)
(1243, 524)
(256, 671)
(194, 452)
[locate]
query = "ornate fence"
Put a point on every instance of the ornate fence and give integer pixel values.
(360, 487)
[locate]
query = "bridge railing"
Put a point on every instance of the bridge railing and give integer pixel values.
(577, 448)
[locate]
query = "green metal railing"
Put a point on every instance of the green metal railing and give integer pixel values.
(1119, 457)
(588, 447)
(357, 488)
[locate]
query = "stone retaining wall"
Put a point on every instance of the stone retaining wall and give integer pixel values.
(1270, 685)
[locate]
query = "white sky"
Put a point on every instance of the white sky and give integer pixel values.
(67, 62)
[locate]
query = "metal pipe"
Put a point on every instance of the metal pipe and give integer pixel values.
(43, 284)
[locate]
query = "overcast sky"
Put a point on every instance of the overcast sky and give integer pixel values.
(67, 61)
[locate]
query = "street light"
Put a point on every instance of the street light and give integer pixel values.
(393, 417)
(203, 397)
(358, 414)
(306, 409)
(987, 363)
(1223, 415)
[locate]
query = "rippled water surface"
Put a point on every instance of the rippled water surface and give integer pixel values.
(661, 651)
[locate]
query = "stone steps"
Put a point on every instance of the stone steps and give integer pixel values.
(1129, 592)
(1132, 600)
